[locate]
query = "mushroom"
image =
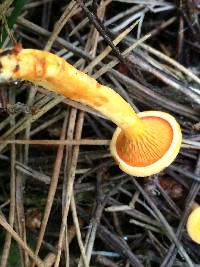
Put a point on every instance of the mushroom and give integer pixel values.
(143, 144)
(193, 223)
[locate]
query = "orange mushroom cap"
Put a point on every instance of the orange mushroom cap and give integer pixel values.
(151, 147)
(193, 225)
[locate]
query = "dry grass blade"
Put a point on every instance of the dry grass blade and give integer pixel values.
(21, 125)
(60, 24)
(52, 189)
(69, 189)
(6, 248)
(167, 226)
(90, 142)
(107, 50)
(171, 61)
(78, 232)
(113, 63)
(16, 237)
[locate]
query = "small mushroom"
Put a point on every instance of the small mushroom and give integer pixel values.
(193, 223)
(142, 145)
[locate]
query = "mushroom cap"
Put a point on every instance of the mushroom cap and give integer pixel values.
(151, 148)
(193, 225)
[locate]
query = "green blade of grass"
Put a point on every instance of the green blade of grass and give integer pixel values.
(11, 20)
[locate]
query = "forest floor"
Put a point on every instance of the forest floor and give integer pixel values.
(63, 199)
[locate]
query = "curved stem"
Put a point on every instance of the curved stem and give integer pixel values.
(55, 74)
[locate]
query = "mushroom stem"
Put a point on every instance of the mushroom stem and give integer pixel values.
(142, 145)
(55, 74)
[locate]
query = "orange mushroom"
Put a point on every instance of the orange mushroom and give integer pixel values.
(142, 145)
(193, 223)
